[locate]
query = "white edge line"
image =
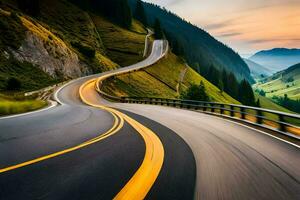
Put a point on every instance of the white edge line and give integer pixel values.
(260, 131)
(251, 128)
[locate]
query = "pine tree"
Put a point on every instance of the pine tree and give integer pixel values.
(158, 33)
(258, 103)
(139, 13)
(224, 80)
(246, 95)
(233, 86)
(118, 11)
(31, 7)
(196, 93)
(125, 15)
(214, 76)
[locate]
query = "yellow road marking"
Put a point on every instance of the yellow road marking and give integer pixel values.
(118, 124)
(142, 181)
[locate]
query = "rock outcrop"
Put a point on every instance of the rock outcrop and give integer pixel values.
(50, 53)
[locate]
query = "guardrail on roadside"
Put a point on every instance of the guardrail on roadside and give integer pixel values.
(44, 92)
(284, 123)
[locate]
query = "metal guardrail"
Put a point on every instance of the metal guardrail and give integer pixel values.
(284, 123)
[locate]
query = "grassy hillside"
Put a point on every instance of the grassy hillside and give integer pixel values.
(284, 82)
(166, 79)
(123, 46)
(268, 104)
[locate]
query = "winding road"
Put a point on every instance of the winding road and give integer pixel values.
(89, 148)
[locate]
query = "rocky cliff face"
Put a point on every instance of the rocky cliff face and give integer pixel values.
(50, 53)
(53, 59)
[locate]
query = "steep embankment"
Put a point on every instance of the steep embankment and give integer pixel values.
(166, 79)
(63, 42)
(281, 83)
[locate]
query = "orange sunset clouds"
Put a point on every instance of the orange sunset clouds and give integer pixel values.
(246, 26)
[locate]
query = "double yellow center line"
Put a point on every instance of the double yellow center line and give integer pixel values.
(142, 181)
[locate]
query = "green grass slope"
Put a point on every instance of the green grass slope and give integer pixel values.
(166, 79)
(281, 83)
(17, 104)
(122, 46)
(268, 104)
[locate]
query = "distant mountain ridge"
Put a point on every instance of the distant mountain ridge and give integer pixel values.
(199, 46)
(257, 71)
(278, 51)
(277, 59)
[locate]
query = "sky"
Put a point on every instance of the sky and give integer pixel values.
(247, 26)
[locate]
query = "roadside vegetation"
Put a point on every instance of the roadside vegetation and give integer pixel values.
(15, 104)
(196, 93)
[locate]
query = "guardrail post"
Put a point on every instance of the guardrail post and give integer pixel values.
(243, 116)
(282, 126)
(258, 117)
(174, 103)
(196, 106)
(212, 108)
(231, 111)
(204, 107)
(222, 109)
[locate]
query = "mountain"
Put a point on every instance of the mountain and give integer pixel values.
(257, 71)
(281, 83)
(199, 47)
(277, 59)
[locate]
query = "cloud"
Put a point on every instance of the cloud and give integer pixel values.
(219, 25)
(259, 41)
(229, 34)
